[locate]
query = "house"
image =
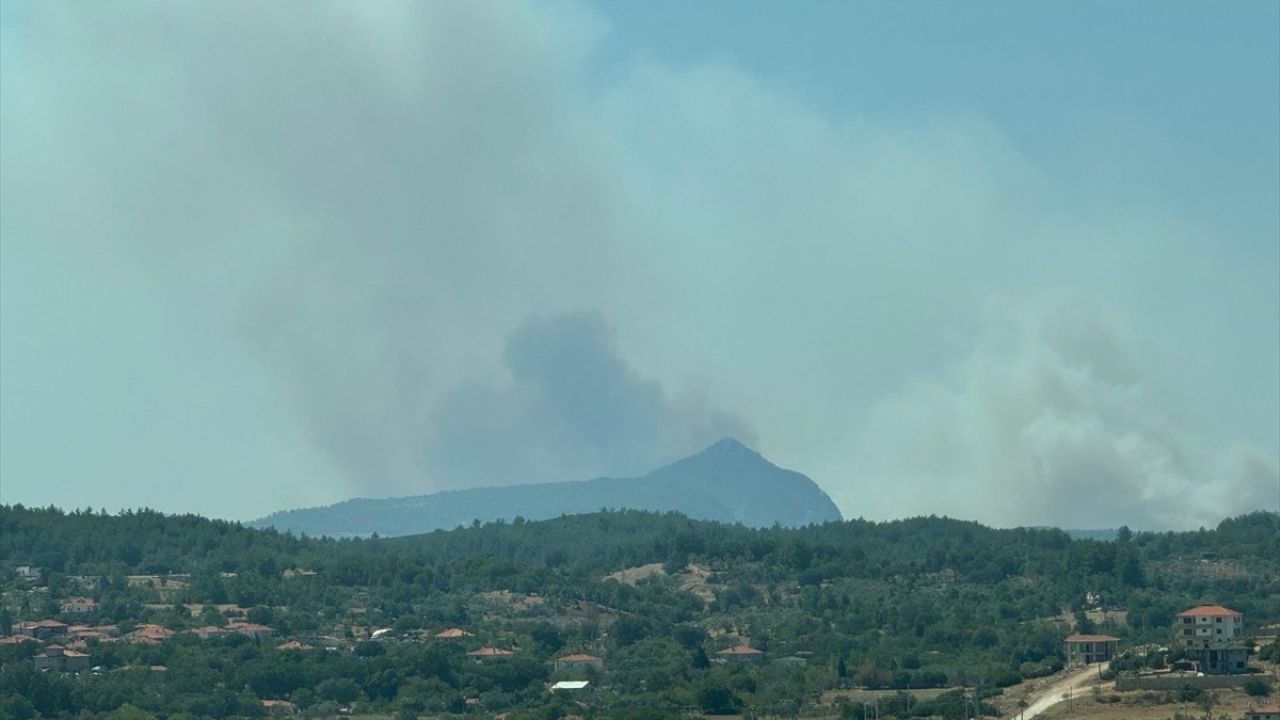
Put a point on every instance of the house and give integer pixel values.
(101, 633)
(253, 630)
(27, 574)
(1225, 660)
(149, 634)
(1088, 649)
(294, 645)
(578, 662)
(204, 632)
(1214, 637)
(79, 605)
(40, 629)
(60, 659)
(490, 653)
(452, 633)
(741, 654)
(1206, 625)
(1266, 712)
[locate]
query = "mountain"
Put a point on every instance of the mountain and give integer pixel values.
(727, 482)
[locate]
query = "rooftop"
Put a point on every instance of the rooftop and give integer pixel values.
(490, 652)
(570, 685)
(1208, 611)
(1077, 637)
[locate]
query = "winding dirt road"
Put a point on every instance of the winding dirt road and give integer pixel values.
(1057, 692)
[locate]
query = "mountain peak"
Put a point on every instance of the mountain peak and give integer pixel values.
(726, 482)
(729, 445)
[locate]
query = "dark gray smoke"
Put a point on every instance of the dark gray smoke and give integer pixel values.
(573, 409)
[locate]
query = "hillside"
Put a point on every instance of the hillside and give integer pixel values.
(943, 608)
(726, 482)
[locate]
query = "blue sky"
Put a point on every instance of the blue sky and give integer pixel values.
(1006, 261)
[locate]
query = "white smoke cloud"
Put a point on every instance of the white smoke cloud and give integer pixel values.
(293, 247)
(1048, 420)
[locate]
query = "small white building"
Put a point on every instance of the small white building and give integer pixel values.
(571, 685)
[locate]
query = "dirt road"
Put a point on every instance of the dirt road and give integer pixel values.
(1056, 692)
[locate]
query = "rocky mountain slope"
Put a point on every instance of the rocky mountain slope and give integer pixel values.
(727, 482)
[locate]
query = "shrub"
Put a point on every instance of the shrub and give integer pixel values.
(1257, 687)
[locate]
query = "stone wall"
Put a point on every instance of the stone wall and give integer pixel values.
(1175, 682)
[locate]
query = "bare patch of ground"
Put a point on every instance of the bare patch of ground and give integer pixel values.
(633, 575)
(1149, 705)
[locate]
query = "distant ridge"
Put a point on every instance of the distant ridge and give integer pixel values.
(727, 482)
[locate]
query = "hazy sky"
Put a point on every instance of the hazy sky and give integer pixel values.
(1015, 262)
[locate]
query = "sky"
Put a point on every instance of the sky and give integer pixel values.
(1010, 262)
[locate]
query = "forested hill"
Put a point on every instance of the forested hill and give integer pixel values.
(727, 481)
(925, 602)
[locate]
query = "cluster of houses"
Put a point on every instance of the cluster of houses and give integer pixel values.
(1211, 637)
(65, 647)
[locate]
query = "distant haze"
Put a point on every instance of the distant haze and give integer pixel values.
(1018, 264)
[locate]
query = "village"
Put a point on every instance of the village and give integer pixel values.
(1209, 656)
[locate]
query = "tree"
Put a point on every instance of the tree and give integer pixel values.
(716, 699)
(340, 690)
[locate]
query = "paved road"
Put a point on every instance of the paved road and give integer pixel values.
(1056, 692)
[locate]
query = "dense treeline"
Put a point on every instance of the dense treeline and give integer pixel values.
(925, 602)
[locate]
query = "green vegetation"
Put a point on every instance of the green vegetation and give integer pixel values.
(920, 603)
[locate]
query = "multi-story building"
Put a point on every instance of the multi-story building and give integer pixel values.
(1206, 625)
(1213, 635)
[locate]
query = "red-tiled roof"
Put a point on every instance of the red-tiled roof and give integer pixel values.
(1208, 611)
(490, 652)
(1264, 710)
(247, 627)
(452, 633)
(293, 645)
(579, 657)
(1077, 637)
